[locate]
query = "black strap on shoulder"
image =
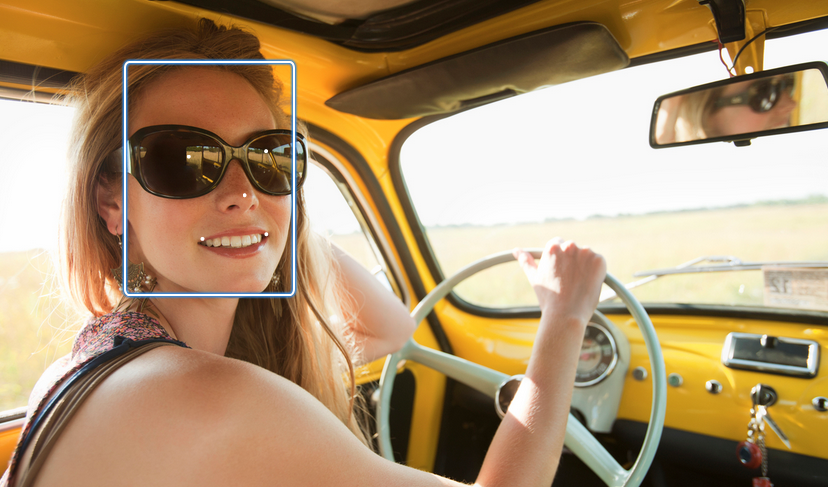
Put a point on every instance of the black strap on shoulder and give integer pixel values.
(122, 346)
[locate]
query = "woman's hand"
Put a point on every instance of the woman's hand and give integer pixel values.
(567, 280)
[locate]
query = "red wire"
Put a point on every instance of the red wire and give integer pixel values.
(721, 58)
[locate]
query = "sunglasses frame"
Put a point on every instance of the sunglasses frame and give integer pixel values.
(777, 87)
(229, 154)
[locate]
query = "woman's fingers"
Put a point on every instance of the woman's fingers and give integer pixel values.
(552, 243)
(567, 279)
(527, 263)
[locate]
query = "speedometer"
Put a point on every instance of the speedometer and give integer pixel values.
(598, 356)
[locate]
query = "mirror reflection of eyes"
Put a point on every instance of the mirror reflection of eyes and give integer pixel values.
(761, 96)
(765, 104)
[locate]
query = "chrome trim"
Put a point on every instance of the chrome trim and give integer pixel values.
(612, 364)
(12, 419)
(12, 414)
(820, 403)
(515, 378)
(763, 395)
(12, 425)
(713, 386)
(810, 370)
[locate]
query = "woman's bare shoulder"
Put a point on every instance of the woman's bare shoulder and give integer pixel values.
(174, 411)
(184, 417)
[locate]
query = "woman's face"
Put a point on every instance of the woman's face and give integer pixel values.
(742, 119)
(168, 235)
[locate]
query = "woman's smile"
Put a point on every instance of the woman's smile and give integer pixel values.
(236, 244)
(234, 241)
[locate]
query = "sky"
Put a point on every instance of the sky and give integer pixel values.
(554, 153)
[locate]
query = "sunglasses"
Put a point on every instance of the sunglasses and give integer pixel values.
(177, 161)
(762, 95)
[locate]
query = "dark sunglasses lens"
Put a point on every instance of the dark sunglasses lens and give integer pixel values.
(178, 163)
(270, 162)
(763, 96)
(766, 94)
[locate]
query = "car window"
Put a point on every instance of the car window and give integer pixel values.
(332, 215)
(574, 161)
(36, 325)
(33, 319)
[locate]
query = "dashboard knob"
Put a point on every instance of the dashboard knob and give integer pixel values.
(713, 386)
(639, 373)
(675, 380)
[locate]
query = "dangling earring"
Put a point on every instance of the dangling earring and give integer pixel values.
(275, 279)
(136, 277)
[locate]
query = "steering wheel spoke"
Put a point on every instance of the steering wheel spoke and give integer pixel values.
(581, 442)
(473, 375)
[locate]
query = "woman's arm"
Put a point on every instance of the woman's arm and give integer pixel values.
(527, 445)
(382, 323)
(193, 418)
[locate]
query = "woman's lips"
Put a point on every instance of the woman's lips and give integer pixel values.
(237, 246)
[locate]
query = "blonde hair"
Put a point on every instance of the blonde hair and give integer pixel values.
(291, 337)
(694, 112)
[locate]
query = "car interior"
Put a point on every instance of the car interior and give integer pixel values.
(445, 133)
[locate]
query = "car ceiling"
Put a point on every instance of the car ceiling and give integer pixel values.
(372, 25)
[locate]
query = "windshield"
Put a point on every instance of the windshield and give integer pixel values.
(574, 161)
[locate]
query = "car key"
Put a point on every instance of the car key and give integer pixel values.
(773, 426)
(764, 397)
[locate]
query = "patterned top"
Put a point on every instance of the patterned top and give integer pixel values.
(99, 335)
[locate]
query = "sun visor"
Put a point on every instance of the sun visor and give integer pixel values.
(506, 68)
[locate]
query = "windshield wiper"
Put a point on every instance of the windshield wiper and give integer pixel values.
(718, 263)
(728, 263)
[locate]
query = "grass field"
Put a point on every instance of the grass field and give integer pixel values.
(35, 328)
(637, 243)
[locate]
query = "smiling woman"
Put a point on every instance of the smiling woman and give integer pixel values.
(311, 339)
(555, 149)
(284, 390)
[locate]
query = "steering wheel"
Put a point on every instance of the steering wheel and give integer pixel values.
(578, 439)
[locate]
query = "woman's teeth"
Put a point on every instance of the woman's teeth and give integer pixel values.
(235, 242)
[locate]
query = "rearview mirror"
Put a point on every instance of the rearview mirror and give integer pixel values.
(777, 101)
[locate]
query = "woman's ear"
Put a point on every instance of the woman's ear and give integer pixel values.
(110, 206)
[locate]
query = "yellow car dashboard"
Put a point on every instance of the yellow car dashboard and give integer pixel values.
(714, 359)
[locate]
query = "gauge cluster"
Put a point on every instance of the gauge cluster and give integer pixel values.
(599, 379)
(598, 357)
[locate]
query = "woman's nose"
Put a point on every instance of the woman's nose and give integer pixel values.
(235, 190)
